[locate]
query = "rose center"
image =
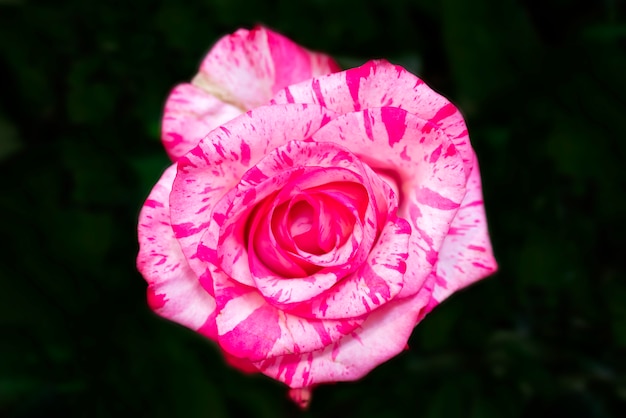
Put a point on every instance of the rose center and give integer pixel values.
(302, 224)
(308, 221)
(313, 222)
(300, 218)
(309, 229)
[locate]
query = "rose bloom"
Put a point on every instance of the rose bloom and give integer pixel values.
(311, 217)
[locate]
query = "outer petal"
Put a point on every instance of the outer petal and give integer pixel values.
(252, 330)
(174, 291)
(430, 175)
(248, 67)
(381, 84)
(190, 113)
(242, 71)
(382, 336)
(466, 255)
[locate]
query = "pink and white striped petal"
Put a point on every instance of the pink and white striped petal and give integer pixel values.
(174, 291)
(242, 71)
(210, 170)
(248, 67)
(376, 282)
(383, 335)
(466, 255)
(381, 84)
(429, 171)
(190, 113)
(252, 330)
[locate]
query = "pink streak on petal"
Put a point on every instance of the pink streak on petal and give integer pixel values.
(246, 336)
(433, 199)
(466, 255)
(443, 113)
(245, 153)
(315, 84)
(395, 124)
(155, 302)
(353, 81)
(434, 156)
(174, 291)
(153, 204)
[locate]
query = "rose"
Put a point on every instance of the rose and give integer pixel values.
(309, 236)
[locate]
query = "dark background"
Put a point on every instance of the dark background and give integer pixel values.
(543, 86)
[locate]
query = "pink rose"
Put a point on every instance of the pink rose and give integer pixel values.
(309, 236)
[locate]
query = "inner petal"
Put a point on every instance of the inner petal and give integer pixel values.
(314, 223)
(336, 221)
(304, 227)
(317, 236)
(270, 247)
(300, 219)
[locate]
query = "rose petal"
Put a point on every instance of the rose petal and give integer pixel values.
(251, 329)
(429, 171)
(174, 291)
(376, 282)
(466, 255)
(190, 113)
(381, 84)
(242, 71)
(248, 67)
(382, 336)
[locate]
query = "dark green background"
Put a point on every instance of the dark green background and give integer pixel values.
(543, 86)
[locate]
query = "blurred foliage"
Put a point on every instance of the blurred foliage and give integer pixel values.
(543, 86)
